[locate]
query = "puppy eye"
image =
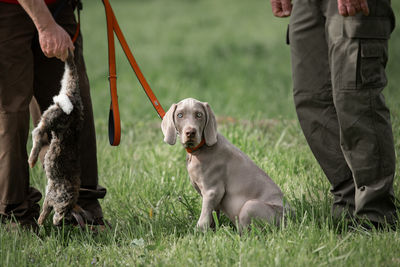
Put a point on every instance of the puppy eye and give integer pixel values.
(179, 115)
(199, 115)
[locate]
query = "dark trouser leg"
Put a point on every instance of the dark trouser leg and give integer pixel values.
(47, 77)
(314, 102)
(347, 128)
(16, 78)
(358, 56)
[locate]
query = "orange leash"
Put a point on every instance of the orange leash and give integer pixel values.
(78, 26)
(114, 124)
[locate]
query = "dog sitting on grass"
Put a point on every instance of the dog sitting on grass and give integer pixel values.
(226, 178)
(62, 122)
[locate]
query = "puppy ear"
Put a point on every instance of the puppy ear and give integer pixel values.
(168, 126)
(210, 130)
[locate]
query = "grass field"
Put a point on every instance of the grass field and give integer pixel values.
(231, 54)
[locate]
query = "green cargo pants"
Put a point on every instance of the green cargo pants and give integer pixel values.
(338, 66)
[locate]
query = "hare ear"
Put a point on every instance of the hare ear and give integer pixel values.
(168, 126)
(210, 130)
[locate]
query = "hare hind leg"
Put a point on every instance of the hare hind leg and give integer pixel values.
(45, 211)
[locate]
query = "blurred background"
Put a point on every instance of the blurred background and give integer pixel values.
(230, 53)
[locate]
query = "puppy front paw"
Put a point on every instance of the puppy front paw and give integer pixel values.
(203, 225)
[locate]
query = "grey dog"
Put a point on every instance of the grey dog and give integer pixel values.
(226, 178)
(62, 122)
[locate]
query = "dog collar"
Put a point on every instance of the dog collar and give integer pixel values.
(191, 150)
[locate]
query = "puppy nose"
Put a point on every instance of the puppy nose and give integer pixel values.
(190, 132)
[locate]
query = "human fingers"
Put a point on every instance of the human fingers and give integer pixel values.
(276, 7)
(364, 7)
(350, 6)
(63, 56)
(69, 43)
(356, 5)
(286, 7)
(281, 8)
(66, 46)
(342, 8)
(49, 50)
(55, 42)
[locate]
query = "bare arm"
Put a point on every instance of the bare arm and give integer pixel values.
(54, 40)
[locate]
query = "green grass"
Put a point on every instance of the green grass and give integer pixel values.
(231, 54)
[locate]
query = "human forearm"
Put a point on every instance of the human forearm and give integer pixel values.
(54, 40)
(39, 13)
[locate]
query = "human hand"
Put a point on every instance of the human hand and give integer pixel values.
(352, 7)
(281, 8)
(55, 41)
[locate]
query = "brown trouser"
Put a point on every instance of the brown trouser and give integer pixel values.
(24, 72)
(338, 66)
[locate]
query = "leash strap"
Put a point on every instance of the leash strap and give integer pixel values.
(78, 26)
(114, 124)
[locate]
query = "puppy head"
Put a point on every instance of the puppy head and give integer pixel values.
(192, 120)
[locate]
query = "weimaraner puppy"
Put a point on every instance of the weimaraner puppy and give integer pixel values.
(226, 178)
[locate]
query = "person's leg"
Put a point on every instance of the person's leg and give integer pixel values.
(47, 77)
(313, 99)
(358, 56)
(16, 80)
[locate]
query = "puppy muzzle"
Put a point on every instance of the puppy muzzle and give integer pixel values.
(190, 137)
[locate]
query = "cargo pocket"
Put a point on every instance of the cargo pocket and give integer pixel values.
(371, 36)
(372, 62)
